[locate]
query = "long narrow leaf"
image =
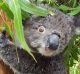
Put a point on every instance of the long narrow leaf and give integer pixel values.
(15, 8)
(6, 9)
(31, 8)
(64, 8)
(75, 11)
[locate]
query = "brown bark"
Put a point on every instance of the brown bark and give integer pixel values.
(4, 69)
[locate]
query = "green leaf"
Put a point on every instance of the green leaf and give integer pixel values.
(71, 62)
(65, 8)
(74, 3)
(31, 8)
(75, 11)
(1, 1)
(15, 8)
(25, 15)
(7, 10)
(71, 52)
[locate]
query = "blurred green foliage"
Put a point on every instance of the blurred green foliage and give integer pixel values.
(17, 10)
(71, 7)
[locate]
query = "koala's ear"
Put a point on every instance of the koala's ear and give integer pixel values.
(75, 23)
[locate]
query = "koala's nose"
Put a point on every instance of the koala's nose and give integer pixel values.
(53, 41)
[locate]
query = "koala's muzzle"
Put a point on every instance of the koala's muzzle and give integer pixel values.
(53, 41)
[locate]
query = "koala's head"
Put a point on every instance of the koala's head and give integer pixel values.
(49, 35)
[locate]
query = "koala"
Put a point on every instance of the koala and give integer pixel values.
(47, 37)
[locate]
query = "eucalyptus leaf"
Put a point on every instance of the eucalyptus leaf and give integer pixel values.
(75, 11)
(25, 15)
(64, 8)
(7, 10)
(15, 8)
(31, 8)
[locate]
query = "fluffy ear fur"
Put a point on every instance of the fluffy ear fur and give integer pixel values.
(75, 23)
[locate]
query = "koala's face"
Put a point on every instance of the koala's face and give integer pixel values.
(49, 35)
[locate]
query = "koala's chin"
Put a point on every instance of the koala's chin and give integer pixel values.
(47, 52)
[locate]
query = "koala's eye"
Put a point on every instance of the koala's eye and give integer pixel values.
(41, 28)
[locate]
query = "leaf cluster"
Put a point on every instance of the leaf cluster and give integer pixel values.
(15, 10)
(72, 7)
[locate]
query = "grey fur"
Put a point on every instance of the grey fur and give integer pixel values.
(60, 23)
